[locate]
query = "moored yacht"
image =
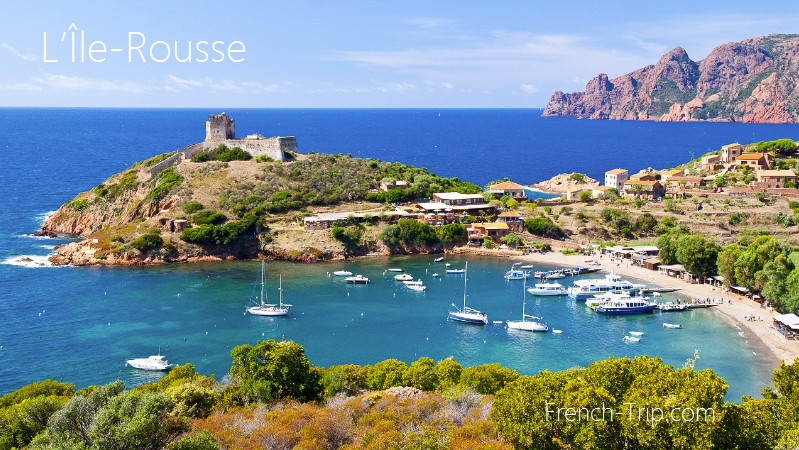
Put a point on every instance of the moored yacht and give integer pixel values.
(548, 289)
(154, 362)
(626, 305)
(585, 289)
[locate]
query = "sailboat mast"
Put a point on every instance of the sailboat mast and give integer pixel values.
(262, 282)
(465, 272)
(524, 297)
(280, 290)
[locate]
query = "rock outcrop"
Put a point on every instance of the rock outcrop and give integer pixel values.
(750, 81)
(560, 184)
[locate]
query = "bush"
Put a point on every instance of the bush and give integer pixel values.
(208, 217)
(215, 234)
(147, 242)
(737, 218)
(223, 154)
(541, 226)
(488, 379)
(193, 207)
(616, 218)
(167, 179)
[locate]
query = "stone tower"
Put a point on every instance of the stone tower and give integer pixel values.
(220, 127)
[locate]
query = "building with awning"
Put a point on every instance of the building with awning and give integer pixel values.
(788, 325)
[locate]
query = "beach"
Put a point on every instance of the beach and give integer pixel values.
(760, 333)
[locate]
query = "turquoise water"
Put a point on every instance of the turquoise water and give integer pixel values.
(195, 313)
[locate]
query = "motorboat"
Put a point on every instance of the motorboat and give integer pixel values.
(267, 309)
(455, 271)
(671, 306)
(626, 305)
(416, 287)
(533, 324)
(447, 264)
(526, 267)
(394, 270)
(465, 314)
(557, 331)
(342, 273)
(515, 274)
(439, 259)
(636, 333)
(403, 277)
(543, 289)
(585, 289)
(357, 279)
(412, 283)
(671, 325)
(154, 362)
(631, 339)
(435, 275)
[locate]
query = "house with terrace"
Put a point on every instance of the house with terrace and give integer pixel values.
(509, 188)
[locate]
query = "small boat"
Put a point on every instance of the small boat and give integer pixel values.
(548, 289)
(671, 306)
(266, 309)
(154, 362)
(515, 274)
(636, 333)
(416, 287)
(631, 339)
(435, 275)
(357, 279)
(447, 265)
(557, 331)
(468, 315)
(394, 270)
(403, 277)
(662, 290)
(534, 324)
(671, 325)
(455, 271)
(497, 322)
(526, 267)
(342, 273)
(412, 283)
(555, 275)
(517, 264)
(439, 259)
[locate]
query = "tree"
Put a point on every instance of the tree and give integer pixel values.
(638, 190)
(725, 264)
(487, 242)
(386, 374)
(616, 218)
(667, 248)
(697, 254)
(541, 226)
(452, 234)
(754, 258)
(511, 203)
(448, 372)
(487, 379)
(775, 281)
(645, 223)
(274, 370)
(421, 375)
(512, 239)
(585, 196)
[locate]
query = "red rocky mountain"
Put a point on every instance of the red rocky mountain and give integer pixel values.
(749, 81)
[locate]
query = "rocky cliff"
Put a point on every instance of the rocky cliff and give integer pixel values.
(565, 182)
(750, 81)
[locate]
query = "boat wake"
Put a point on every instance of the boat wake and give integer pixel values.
(31, 261)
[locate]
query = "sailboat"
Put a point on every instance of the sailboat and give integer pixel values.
(534, 324)
(465, 314)
(266, 309)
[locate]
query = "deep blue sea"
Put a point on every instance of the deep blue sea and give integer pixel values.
(80, 324)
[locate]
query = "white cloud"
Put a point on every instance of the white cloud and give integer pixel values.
(21, 87)
(448, 85)
(653, 47)
(182, 84)
(82, 83)
(402, 87)
(17, 53)
(529, 88)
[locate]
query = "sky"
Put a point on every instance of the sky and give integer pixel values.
(349, 54)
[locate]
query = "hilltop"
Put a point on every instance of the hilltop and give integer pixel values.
(751, 81)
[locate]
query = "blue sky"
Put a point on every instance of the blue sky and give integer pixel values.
(313, 53)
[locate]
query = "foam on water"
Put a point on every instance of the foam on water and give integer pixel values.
(31, 261)
(41, 218)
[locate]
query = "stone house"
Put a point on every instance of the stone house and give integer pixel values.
(775, 178)
(494, 231)
(757, 161)
(709, 163)
(652, 189)
(509, 188)
(401, 184)
(514, 220)
(643, 176)
(688, 181)
(616, 178)
(574, 194)
(731, 151)
(667, 175)
(599, 191)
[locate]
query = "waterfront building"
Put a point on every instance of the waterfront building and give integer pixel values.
(509, 188)
(616, 178)
(494, 231)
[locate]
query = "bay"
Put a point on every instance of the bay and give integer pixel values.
(92, 319)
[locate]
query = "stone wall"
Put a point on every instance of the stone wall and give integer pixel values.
(184, 153)
(274, 148)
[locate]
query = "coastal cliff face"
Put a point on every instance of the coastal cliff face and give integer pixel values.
(751, 81)
(565, 182)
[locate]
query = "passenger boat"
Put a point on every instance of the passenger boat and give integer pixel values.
(585, 289)
(671, 325)
(267, 309)
(534, 324)
(671, 306)
(548, 289)
(467, 315)
(342, 273)
(154, 362)
(403, 277)
(626, 305)
(357, 279)
(515, 274)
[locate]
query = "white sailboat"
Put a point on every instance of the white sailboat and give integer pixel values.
(534, 324)
(468, 315)
(267, 309)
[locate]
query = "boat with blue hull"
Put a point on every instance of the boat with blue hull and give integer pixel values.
(626, 305)
(612, 283)
(467, 315)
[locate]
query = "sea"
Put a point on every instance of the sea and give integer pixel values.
(80, 324)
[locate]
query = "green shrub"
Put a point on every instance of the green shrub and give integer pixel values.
(167, 179)
(541, 226)
(193, 207)
(208, 217)
(222, 153)
(215, 234)
(78, 205)
(147, 242)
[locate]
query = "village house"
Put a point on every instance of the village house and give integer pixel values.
(775, 178)
(494, 231)
(399, 184)
(457, 204)
(514, 220)
(667, 175)
(574, 194)
(642, 176)
(709, 163)
(616, 178)
(731, 151)
(509, 188)
(688, 181)
(599, 191)
(756, 161)
(651, 189)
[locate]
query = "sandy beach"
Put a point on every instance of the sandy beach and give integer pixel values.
(760, 333)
